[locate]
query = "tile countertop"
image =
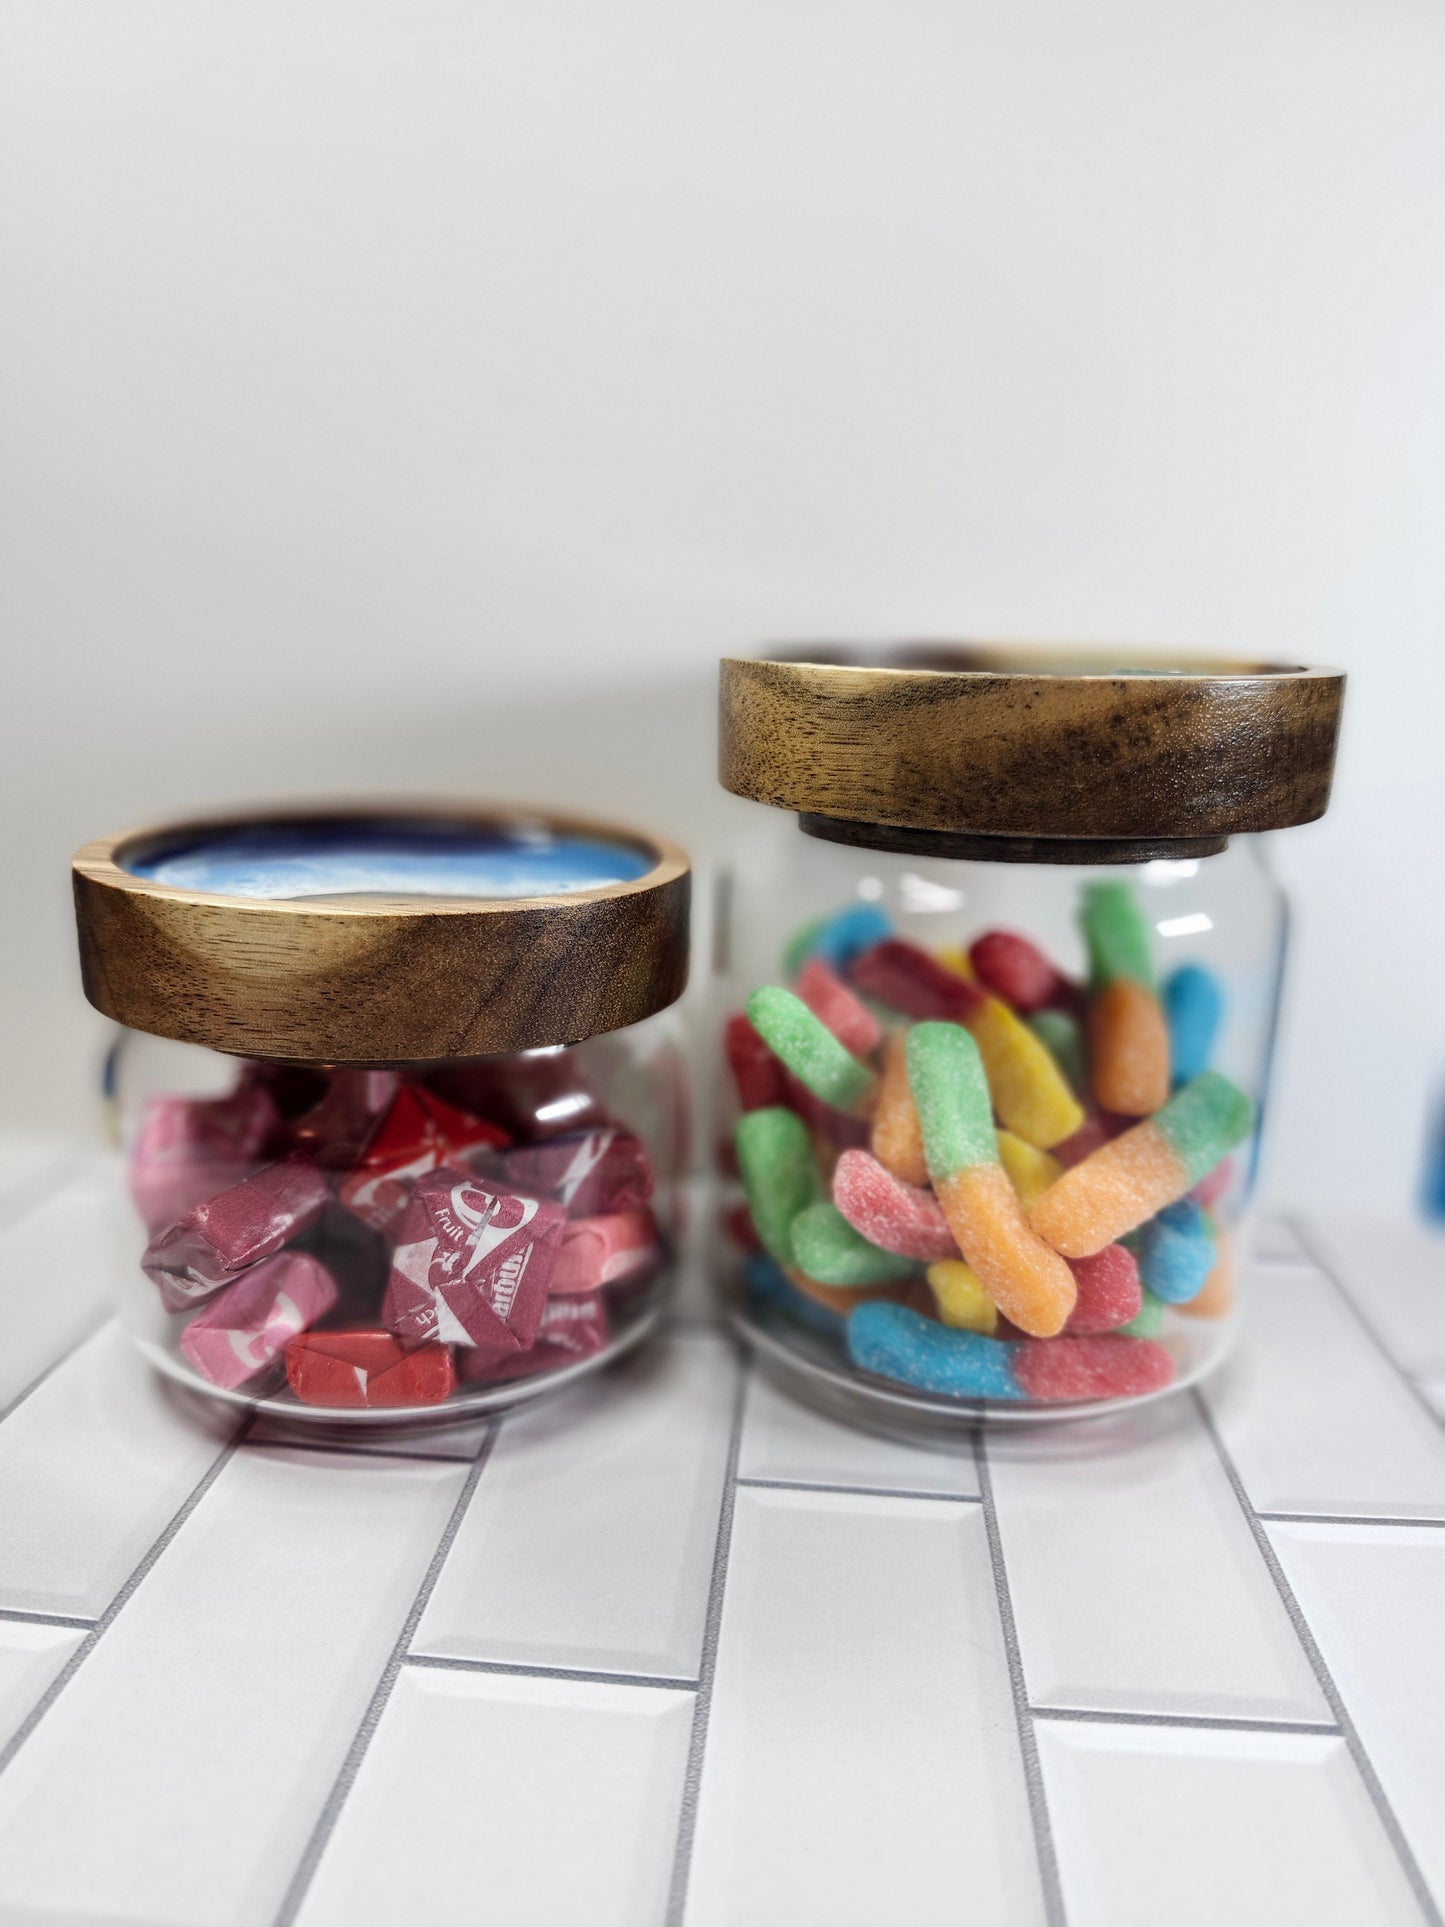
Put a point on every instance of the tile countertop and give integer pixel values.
(676, 1650)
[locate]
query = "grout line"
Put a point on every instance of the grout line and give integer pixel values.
(1211, 1722)
(1055, 1912)
(107, 1318)
(863, 1491)
(107, 1618)
(1363, 1764)
(346, 1776)
(1328, 1271)
(702, 1705)
(1346, 1519)
(21, 1616)
(507, 1669)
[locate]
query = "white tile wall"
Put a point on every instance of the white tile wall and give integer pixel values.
(529, 1802)
(54, 1279)
(30, 1657)
(1395, 1273)
(590, 1541)
(862, 1759)
(31, 1164)
(1137, 1586)
(784, 1440)
(1159, 1826)
(1374, 1597)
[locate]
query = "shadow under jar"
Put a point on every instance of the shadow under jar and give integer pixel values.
(998, 1024)
(402, 1117)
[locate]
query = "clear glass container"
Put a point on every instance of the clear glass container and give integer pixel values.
(413, 1235)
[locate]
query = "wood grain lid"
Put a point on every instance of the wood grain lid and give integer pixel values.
(1019, 754)
(382, 933)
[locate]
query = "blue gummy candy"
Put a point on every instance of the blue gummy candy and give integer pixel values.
(852, 931)
(769, 1284)
(1193, 1004)
(1176, 1252)
(893, 1342)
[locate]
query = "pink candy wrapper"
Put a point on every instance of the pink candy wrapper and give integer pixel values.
(235, 1229)
(605, 1250)
(604, 1171)
(472, 1264)
(337, 1130)
(188, 1149)
(418, 1134)
(572, 1328)
(248, 1325)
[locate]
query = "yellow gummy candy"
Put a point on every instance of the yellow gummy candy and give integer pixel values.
(954, 957)
(1030, 1172)
(1030, 1093)
(961, 1299)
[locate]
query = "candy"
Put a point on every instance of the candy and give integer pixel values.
(769, 1285)
(888, 1213)
(1030, 1172)
(1029, 1091)
(367, 1370)
(188, 1149)
(838, 1128)
(248, 1325)
(1215, 1297)
(955, 958)
(1117, 934)
(572, 1328)
(472, 1264)
(1127, 1180)
(1194, 1007)
(780, 1177)
(1213, 1185)
(962, 1302)
(1015, 969)
(897, 1136)
(830, 1251)
(234, 1230)
(809, 1049)
(1148, 1322)
(590, 1175)
(533, 1095)
(1110, 1293)
(1176, 1252)
(911, 1291)
(738, 1223)
(893, 1342)
(1063, 1038)
(833, 1004)
(336, 1130)
(605, 1250)
(759, 1077)
(1102, 1367)
(1028, 1282)
(418, 1132)
(1128, 1048)
(909, 979)
(838, 939)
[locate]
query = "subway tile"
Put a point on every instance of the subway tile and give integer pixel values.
(93, 1466)
(862, 1759)
(529, 1801)
(591, 1538)
(1374, 1597)
(179, 1774)
(1196, 1826)
(30, 1657)
(783, 1439)
(34, 1163)
(1394, 1272)
(1136, 1582)
(55, 1279)
(1314, 1418)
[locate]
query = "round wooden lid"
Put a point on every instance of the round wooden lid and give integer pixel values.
(382, 933)
(1019, 754)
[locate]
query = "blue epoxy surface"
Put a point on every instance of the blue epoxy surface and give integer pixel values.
(350, 859)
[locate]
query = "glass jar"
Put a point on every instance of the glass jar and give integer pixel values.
(402, 1112)
(997, 1028)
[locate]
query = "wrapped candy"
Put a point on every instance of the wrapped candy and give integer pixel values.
(188, 1149)
(367, 1369)
(417, 1134)
(605, 1250)
(249, 1324)
(473, 1263)
(572, 1328)
(235, 1229)
(602, 1171)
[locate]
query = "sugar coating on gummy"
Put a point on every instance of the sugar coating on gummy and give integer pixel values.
(1204, 1121)
(1110, 1291)
(188, 1149)
(1030, 1171)
(809, 1049)
(913, 981)
(234, 1230)
(1063, 1037)
(1194, 1007)
(896, 1137)
(1215, 1297)
(779, 1172)
(417, 1133)
(757, 1074)
(1128, 1048)
(892, 1342)
(1176, 1252)
(605, 1250)
(960, 1299)
(1108, 1366)
(572, 1328)
(835, 1006)
(1148, 1321)
(588, 1173)
(472, 1263)
(950, 1090)
(367, 1370)
(1116, 933)
(1029, 1091)
(828, 1249)
(889, 1213)
(1014, 969)
(839, 938)
(248, 1325)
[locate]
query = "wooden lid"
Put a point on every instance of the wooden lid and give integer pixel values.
(1020, 754)
(371, 978)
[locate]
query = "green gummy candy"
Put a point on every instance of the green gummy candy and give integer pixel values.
(1204, 1121)
(1117, 934)
(780, 1175)
(946, 1077)
(800, 945)
(1147, 1321)
(808, 1048)
(827, 1248)
(1062, 1037)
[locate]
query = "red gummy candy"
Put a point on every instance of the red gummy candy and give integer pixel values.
(605, 1250)
(367, 1369)
(1110, 1293)
(1102, 1367)
(188, 1149)
(738, 1223)
(603, 1171)
(756, 1072)
(572, 1328)
(834, 1005)
(911, 980)
(1097, 1129)
(472, 1263)
(837, 1126)
(1213, 1185)
(889, 1213)
(235, 1229)
(1016, 970)
(417, 1134)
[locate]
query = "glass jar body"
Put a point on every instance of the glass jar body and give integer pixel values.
(392, 1247)
(950, 1347)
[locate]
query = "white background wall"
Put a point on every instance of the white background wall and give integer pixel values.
(421, 394)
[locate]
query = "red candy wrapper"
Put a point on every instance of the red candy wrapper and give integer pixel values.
(572, 1328)
(235, 1229)
(588, 1176)
(367, 1369)
(472, 1264)
(534, 1095)
(337, 1130)
(418, 1134)
(188, 1149)
(247, 1326)
(604, 1251)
